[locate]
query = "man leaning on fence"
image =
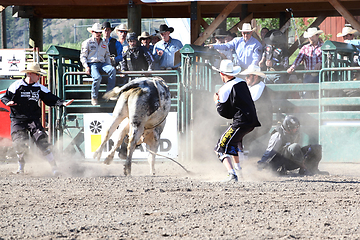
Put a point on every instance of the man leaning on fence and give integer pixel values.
(115, 47)
(164, 50)
(311, 54)
(95, 57)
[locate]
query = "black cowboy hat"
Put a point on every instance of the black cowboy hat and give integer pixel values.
(274, 37)
(165, 28)
(107, 25)
(219, 33)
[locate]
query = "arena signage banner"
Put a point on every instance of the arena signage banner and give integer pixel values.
(12, 61)
(95, 125)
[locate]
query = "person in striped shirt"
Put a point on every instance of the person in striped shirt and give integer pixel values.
(310, 54)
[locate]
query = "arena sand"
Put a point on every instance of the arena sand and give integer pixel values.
(91, 200)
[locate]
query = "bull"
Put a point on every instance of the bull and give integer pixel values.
(140, 114)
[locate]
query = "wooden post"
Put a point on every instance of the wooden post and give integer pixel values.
(134, 17)
(283, 19)
(295, 45)
(3, 28)
(195, 21)
(36, 33)
(218, 20)
(345, 13)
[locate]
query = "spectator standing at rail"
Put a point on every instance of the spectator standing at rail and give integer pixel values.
(136, 58)
(248, 50)
(275, 56)
(115, 47)
(95, 58)
(145, 40)
(219, 36)
(263, 33)
(122, 31)
(164, 50)
(347, 33)
(233, 101)
(230, 36)
(311, 54)
(23, 99)
(155, 38)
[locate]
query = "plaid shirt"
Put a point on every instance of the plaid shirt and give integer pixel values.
(310, 54)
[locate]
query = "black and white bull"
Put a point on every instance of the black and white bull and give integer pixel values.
(140, 113)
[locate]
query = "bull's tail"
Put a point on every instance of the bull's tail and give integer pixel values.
(112, 93)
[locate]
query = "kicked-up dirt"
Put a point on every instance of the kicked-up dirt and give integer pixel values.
(91, 200)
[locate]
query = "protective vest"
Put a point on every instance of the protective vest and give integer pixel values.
(112, 47)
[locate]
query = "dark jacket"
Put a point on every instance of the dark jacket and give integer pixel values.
(236, 103)
(136, 59)
(278, 140)
(279, 55)
(112, 47)
(27, 97)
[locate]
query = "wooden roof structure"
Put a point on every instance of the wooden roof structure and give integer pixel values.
(182, 9)
(195, 10)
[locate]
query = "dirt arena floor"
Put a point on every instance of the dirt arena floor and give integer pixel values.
(93, 201)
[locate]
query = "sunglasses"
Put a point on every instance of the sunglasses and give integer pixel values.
(120, 31)
(246, 33)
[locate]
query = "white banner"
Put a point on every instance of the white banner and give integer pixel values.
(12, 61)
(96, 124)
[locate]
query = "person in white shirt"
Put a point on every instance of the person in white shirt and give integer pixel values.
(95, 58)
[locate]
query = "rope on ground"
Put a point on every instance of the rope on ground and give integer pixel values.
(187, 171)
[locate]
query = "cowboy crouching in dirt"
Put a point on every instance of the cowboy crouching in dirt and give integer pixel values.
(284, 153)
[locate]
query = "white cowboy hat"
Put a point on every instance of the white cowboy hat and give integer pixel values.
(255, 70)
(144, 35)
(95, 28)
(347, 30)
(227, 67)
(311, 32)
(246, 27)
(34, 67)
(122, 27)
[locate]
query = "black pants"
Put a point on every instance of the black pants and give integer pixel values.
(231, 139)
(20, 130)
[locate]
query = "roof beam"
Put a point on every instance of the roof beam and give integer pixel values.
(345, 13)
(316, 23)
(247, 19)
(218, 20)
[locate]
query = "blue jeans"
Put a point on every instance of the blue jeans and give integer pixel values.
(96, 68)
(308, 78)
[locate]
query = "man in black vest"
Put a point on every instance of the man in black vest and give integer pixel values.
(115, 47)
(135, 58)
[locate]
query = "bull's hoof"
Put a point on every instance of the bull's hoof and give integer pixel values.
(323, 173)
(97, 155)
(108, 161)
(127, 171)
